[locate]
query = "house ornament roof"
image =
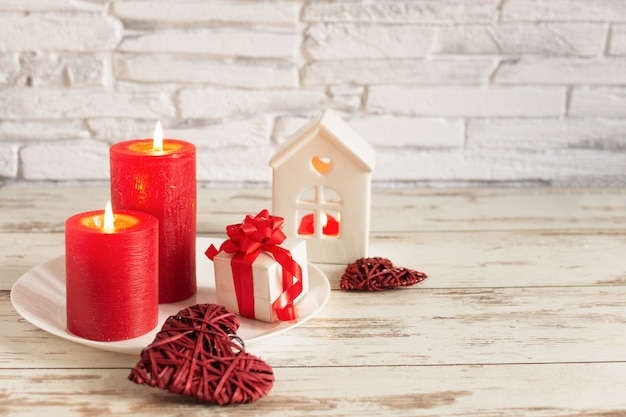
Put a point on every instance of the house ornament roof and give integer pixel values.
(336, 130)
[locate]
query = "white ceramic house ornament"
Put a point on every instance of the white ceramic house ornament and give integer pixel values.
(321, 187)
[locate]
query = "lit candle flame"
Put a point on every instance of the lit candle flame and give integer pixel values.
(157, 138)
(109, 220)
(324, 220)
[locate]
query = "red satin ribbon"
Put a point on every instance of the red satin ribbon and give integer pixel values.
(262, 232)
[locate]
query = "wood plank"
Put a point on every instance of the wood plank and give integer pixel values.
(497, 209)
(425, 327)
(452, 260)
(508, 259)
(400, 209)
(19, 252)
(473, 326)
(507, 390)
(45, 209)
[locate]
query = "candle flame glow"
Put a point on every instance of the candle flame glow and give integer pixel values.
(157, 138)
(324, 220)
(109, 220)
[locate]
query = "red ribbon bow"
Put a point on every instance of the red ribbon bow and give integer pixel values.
(247, 240)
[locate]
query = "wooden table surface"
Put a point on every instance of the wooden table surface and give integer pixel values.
(523, 314)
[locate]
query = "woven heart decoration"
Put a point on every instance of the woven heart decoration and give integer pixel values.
(197, 353)
(375, 274)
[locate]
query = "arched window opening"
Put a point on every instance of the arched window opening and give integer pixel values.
(319, 203)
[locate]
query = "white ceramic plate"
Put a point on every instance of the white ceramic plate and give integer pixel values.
(39, 297)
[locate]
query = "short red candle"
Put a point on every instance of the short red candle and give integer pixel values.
(162, 183)
(111, 276)
(307, 226)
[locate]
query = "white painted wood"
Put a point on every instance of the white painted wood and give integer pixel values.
(504, 390)
(451, 259)
(522, 314)
(413, 327)
(393, 209)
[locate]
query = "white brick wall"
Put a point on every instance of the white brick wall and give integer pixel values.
(448, 92)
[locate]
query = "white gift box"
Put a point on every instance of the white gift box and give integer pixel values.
(267, 279)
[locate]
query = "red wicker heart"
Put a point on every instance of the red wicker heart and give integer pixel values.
(198, 354)
(375, 274)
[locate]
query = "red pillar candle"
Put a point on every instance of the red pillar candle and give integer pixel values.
(162, 182)
(111, 275)
(331, 226)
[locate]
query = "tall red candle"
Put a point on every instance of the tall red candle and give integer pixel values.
(111, 275)
(162, 183)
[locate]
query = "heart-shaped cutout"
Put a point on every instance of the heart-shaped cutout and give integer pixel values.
(375, 274)
(197, 354)
(322, 164)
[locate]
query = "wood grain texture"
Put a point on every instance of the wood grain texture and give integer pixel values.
(522, 314)
(504, 390)
(409, 327)
(451, 259)
(393, 210)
